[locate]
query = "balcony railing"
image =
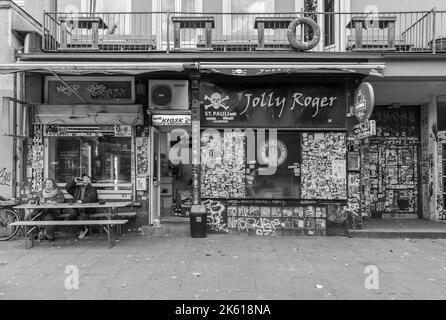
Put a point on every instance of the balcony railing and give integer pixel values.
(175, 31)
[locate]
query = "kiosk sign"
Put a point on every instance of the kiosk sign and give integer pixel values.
(364, 102)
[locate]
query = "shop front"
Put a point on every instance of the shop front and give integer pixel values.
(87, 125)
(274, 156)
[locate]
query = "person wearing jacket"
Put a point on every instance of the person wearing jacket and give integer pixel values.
(82, 192)
(50, 194)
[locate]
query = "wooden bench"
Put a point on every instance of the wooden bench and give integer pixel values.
(364, 22)
(107, 224)
(207, 23)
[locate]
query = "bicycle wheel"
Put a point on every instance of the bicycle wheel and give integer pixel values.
(6, 217)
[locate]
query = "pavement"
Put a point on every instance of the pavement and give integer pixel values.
(224, 267)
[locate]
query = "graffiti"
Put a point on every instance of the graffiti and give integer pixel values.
(215, 220)
(66, 91)
(338, 215)
(261, 226)
(5, 177)
(100, 91)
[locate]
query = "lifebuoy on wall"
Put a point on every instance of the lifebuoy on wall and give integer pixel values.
(291, 34)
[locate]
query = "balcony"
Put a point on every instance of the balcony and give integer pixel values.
(215, 32)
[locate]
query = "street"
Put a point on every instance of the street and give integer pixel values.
(224, 267)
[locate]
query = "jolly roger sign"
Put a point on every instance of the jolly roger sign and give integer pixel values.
(300, 106)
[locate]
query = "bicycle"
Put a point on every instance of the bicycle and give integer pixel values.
(7, 216)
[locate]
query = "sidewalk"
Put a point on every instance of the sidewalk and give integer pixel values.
(225, 267)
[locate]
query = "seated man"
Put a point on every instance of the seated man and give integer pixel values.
(82, 192)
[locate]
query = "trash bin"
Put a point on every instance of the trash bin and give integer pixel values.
(198, 221)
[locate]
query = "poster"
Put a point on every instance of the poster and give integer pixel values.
(141, 184)
(338, 169)
(142, 156)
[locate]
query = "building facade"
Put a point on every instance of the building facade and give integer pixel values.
(174, 103)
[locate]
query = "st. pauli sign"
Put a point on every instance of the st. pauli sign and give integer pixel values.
(300, 105)
(364, 102)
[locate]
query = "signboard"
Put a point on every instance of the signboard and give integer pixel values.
(303, 105)
(94, 90)
(171, 120)
(364, 102)
(365, 129)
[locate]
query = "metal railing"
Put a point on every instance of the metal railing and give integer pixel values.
(423, 31)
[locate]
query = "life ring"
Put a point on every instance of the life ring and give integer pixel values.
(291, 34)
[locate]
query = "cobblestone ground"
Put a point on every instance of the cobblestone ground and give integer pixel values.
(224, 267)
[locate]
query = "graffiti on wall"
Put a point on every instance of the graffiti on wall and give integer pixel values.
(5, 177)
(216, 215)
(261, 226)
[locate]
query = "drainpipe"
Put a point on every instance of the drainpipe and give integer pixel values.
(434, 30)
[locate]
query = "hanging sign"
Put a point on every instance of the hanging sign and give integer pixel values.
(301, 105)
(171, 120)
(364, 102)
(365, 129)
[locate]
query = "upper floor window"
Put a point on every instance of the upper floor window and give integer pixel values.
(238, 21)
(329, 22)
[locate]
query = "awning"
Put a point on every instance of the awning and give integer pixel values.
(247, 69)
(233, 69)
(80, 68)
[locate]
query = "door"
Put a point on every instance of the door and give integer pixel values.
(155, 177)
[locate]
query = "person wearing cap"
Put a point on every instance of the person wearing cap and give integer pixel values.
(82, 192)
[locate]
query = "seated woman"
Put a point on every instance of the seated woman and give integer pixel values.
(50, 194)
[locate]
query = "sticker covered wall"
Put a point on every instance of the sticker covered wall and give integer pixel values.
(324, 166)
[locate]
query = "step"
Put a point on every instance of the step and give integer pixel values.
(398, 233)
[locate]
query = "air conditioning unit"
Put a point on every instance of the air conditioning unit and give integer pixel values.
(168, 94)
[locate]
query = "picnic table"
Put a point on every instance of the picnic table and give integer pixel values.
(93, 23)
(107, 224)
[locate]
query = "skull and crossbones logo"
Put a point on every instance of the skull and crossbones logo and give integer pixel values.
(216, 101)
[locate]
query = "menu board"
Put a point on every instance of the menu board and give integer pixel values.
(323, 172)
(223, 165)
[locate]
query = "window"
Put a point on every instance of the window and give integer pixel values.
(329, 23)
(238, 21)
(106, 159)
(285, 181)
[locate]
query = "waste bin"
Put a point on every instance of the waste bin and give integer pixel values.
(198, 221)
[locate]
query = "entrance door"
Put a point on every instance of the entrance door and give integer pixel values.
(155, 181)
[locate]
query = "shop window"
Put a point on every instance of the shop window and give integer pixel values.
(105, 159)
(273, 164)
